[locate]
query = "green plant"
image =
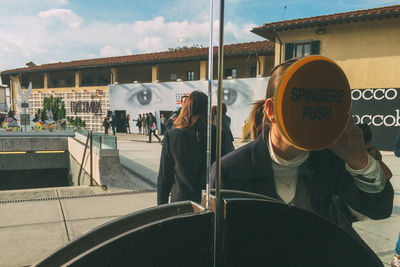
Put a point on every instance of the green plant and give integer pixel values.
(76, 122)
(56, 105)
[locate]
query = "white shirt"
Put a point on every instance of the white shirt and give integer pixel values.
(370, 179)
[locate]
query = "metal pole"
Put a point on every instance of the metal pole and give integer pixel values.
(91, 157)
(83, 160)
(218, 223)
(209, 124)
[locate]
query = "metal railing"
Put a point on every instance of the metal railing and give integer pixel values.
(100, 141)
(89, 141)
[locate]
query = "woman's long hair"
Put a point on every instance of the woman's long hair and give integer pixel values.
(193, 115)
(260, 122)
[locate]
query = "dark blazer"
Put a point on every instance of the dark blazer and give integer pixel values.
(249, 168)
(182, 167)
(183, 164)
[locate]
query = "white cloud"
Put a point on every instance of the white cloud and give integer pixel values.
(60, 35)
(65, 15)
(109, 51)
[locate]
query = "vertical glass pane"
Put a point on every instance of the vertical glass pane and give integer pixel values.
(307, 49)
(233, 73)
(299, 51)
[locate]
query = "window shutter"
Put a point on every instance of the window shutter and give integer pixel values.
(315, 47)
(289, 50)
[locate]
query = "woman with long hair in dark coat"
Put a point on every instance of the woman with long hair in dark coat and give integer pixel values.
(183, 158)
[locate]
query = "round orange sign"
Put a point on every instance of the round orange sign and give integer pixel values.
(312, 103)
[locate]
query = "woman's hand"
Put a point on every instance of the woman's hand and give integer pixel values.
(350, 147)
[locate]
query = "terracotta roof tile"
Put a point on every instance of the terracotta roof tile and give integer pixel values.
(267, 30)
(260, 47)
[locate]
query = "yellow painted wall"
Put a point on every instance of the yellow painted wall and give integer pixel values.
(243, 64)
(68, 89)
(179, 68)
(368, 52)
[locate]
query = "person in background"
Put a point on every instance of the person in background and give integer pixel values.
(170, 122)
(373, 151)
(396, 257)
(139, 123)
(144, 124)
(162, 124)
(226, 120)
(226, 136)
(183, 100)
(127, 125)
(3, 117)
(396, 146)
(113, 123)
(106, 124)
(152, 126)
(183, 157)
(321, 182)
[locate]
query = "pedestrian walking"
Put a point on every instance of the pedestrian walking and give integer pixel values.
(106, 124)
(127, 125)
(144, 124)
(113, 123)
(139, 123)
(152, 127)
(162, 124)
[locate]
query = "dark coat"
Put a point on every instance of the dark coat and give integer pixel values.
(249, 168)
(182, 167)
(183, 164)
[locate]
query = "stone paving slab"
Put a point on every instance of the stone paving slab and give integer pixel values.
(80, 191)
(31, 230)
(8, 195)
(23, 245)
(96, 207)
(28, 213)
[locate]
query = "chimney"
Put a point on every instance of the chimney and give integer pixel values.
(30, 64)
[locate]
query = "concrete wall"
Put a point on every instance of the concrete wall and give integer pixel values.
(74, 171)
(8, 144)
(368, 51)
(107, 169)
(34, 161)
(29, 145)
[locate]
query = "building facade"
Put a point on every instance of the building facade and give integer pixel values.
(83, 84)
(365, 44)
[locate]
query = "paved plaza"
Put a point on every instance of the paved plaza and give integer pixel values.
(35, 222)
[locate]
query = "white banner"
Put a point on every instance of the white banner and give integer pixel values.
(139, 98)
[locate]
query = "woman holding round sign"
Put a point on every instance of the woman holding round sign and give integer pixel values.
(309, 153)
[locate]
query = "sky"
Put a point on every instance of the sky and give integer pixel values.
(47, 31)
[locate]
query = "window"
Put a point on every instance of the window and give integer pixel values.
(173, 76)
(302, 49)
(230, 73)
(253, 71)
(87, 80)
(299, 49)
(190, 75)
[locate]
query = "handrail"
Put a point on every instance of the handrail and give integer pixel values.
(89, 140)
(91, 157)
